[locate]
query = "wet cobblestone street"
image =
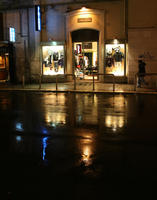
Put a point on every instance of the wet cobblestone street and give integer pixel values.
(78, 146)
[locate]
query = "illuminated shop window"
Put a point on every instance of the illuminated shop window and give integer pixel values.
(114, 59)
(2, 62)
(12, 34)
(53, 60)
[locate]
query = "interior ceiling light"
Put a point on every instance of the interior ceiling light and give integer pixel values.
(83, 8)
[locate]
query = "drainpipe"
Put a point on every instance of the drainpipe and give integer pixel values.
(126, 18)
(28, 44)
(126, 32)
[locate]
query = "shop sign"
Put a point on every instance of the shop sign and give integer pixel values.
(83, 20)
(87, 45)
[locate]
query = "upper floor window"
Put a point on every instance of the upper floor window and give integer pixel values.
(12, 34)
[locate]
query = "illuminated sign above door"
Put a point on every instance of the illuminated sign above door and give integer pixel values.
(83, 20)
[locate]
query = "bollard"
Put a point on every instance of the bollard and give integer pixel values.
(135, 82)
(56, 83)
(23, 81)
(74, 82)
(113, 83)
(40, 81)
(93, 83)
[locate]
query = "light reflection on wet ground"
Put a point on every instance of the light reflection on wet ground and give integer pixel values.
(78, 143)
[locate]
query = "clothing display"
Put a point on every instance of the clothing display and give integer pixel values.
(55, 56)
(61, 62)
(109, 60)
(118, 56)
(53, 60)
(114, 61)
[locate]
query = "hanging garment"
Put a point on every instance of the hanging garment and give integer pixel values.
(55, 56)
(118, 56)
(109, 61)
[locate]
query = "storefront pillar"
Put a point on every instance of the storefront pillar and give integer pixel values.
(69, 67)
(101, 55)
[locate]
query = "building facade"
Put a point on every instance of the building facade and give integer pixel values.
(51, 38)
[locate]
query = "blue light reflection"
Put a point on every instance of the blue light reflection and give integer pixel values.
(19, 127)
(44, 131)
(44, 143)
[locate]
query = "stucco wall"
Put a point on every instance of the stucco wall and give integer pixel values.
(142, 42)
(142, 13)
(114, 20)
(55, 26)
(27, 44)
(12, 19)
(142, 36)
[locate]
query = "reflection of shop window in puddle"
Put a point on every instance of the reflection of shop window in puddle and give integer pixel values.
(56, 119)
(114, 122)
(86, 155)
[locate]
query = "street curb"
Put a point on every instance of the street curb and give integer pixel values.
(75, 91)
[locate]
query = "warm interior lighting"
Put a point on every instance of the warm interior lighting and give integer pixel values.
(115, 41)
(83, 8)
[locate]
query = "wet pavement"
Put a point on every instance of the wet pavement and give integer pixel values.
(81, 86)
(78, 146)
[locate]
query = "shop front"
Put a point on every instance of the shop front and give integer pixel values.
(90, 47)
(89, 50)
(6, 62)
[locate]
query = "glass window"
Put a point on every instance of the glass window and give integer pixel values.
(53, 60)
(12, 34)
(114, 59)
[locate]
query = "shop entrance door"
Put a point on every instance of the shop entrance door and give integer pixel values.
(85, 53)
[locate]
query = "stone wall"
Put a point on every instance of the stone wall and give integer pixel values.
(142, 38)
(142, 42)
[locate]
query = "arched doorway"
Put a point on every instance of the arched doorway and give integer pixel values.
(85, 45)
(85, 27)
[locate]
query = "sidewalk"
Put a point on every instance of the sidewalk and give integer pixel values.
(80, 87)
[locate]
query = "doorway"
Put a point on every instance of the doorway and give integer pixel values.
(85, 53)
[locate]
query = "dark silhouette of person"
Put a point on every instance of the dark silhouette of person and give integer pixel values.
(141, 72)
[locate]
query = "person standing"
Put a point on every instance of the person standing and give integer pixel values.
(141, 72)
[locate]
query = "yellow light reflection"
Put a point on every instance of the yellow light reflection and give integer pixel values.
(114, 122)
(86, 155)
(54, 119)
(54, 109)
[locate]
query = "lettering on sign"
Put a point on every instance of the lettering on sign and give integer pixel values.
(82, 20)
